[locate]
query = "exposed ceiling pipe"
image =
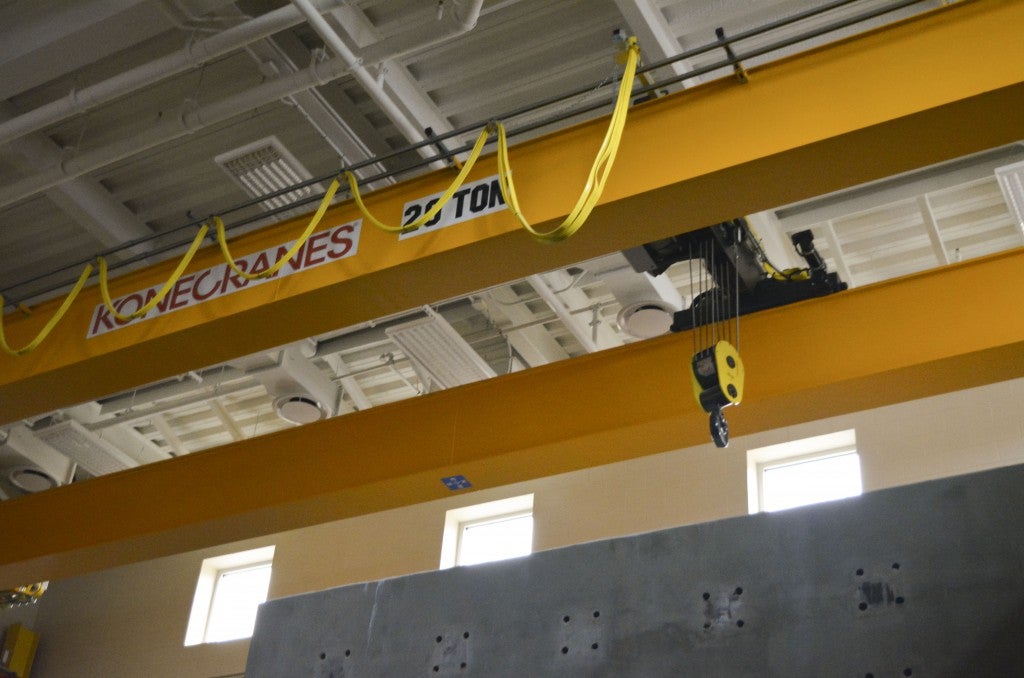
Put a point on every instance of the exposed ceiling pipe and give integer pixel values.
(193, 55)
(175, 128)
(134, 415)
(365, 78)
(320, 115)
(456, 18)
(171, 388)
(192, 121)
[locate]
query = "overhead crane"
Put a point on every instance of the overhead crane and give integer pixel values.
(851, 112)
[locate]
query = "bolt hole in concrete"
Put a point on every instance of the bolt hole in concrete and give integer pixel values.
(565, 650)
(706, 595)
(594, 646)
(323, 655)
(462, 665)
(908, 672)
(863, 606)
(566, 619)
(597, 613)
(869, 675)
(860, 571)
(466, 634)
(436, 669)
(899, 600)
(896, 566)
(439, 639)
(348, 653)
(740, 623)
(739, 590)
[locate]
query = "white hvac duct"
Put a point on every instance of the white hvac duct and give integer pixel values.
(456, 18)
(301, 393)
(194, 54)
(183, 125)
(204, 116)
(648, 302)
(30, 464)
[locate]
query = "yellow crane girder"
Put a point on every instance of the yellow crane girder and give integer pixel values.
(871, 106)
(884, 102)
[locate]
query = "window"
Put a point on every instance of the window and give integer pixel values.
(802, 472)
(487, 532)
(228, 593)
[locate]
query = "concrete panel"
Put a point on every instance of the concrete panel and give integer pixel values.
(922, 580)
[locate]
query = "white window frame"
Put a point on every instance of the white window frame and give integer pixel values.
(794, 452)
(206, 587)
(456, 521)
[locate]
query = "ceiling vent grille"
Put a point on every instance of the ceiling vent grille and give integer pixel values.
(95, 455)
(1011, 181)
(439, 354)
(265, 167)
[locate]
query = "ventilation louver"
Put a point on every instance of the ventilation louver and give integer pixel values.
(265, 167)
(1011, 181)
(439, 354)
(85, 448)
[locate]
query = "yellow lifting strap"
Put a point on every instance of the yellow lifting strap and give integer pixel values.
(267, 273)
(478, 147)
(787, 274)
(598, 172)
(168, 286)
(776, 274)
(31, 346)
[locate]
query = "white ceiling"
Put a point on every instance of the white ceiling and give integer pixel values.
(126, 170)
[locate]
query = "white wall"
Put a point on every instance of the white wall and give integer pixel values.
(130, 621)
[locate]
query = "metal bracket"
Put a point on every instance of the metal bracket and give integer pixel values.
(737, 66)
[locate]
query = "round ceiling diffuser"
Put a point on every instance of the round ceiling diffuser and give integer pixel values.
(646, 319)
(299, 409)
(31, 479)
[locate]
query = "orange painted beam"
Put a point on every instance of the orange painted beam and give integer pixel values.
(865, 108)
(931, 333)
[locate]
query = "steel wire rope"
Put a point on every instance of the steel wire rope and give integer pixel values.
(171, 282)
(478, 147)
(50, 324)
(325, 202)
(599, 171)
